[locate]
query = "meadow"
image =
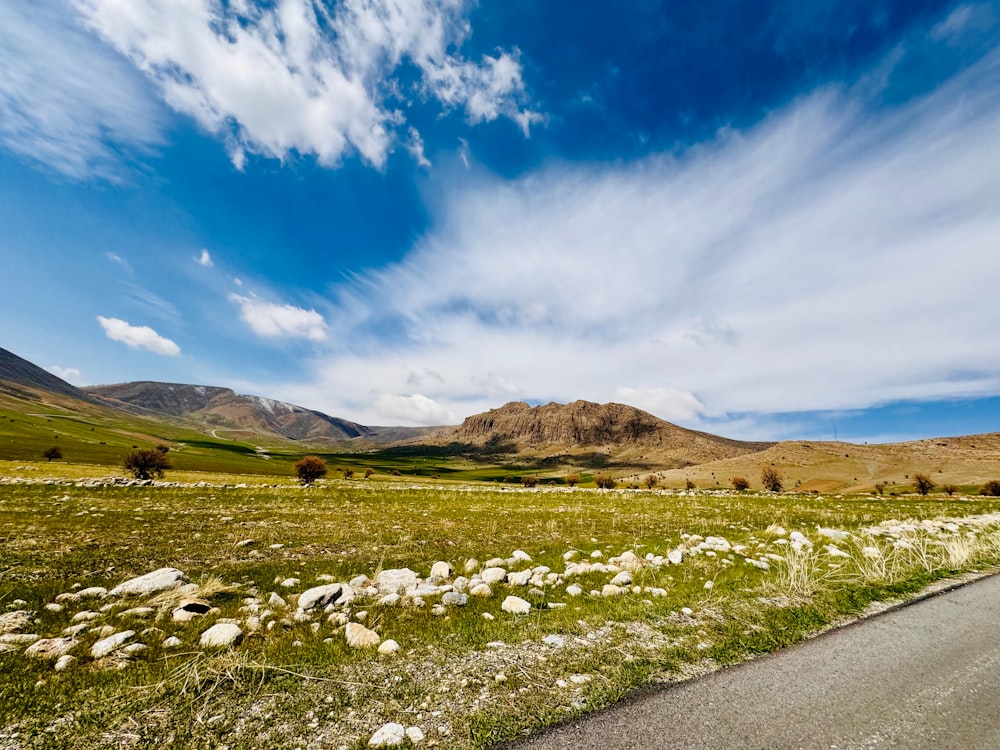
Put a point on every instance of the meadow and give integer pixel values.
(624, 589)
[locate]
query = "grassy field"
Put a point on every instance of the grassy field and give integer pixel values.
(752, 573)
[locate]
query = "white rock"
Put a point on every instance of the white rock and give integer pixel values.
(159, 580)
(172, 642)
(556, 641)
(611, 590)
(415, 734)
(493, 575)
(221, 635)
(190, 609)
(94, 592)
(580, 679)
(19, 639)
(471, 565)
(622, 579)
(574, 590)
(106, 645)
(390, 600)
(519, 579)
(687, 611)
(53, 607)
(85, 616)
(320, 597)
(675, 556)
(441, 569)
(521, 555)
(488, 616)
(290, 583)
(50, 648)
(567, 556)
(138, 612)
(358, 636)
(481, 589)
(388, 646)
(460, 584)
(454, 599)
(495, 562)
(709, 584)
(64, 661)
(389, 735)
(515, 605)
(338, 619)
(134, 648)
(276, 601)
(402, 581)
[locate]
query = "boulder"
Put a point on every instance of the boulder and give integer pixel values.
(493, 575)
(358, 636)
(50, 648)
(454, 599)
(516, 605)
(163, 579)
(441, 569)
(190, 609)
(320, 597)
(11, 622)
(113, 642)
(388, 735)
(402, 581)
(221, 635)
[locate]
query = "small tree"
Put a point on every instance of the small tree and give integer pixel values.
(52, 454)
(689, 485)
(771, 480)
(529, 481)
(879, 487)
(922, 483)
(606, 482)
(991, 488)
(310, 468)
(369, 472)
(348, 472)
(146, 464)
(949, 489)
(650, 481)
(740, 483)
(572, 479)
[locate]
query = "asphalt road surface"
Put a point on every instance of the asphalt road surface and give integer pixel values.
(920, 677)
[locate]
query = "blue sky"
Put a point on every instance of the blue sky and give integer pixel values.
(763, 219)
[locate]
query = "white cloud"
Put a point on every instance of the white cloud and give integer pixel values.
(829, 258)
(138, 337)
(66, 100)
(271, 320)
(416, 408)
(69, 374)
(415, 145)
(295, 76)
(119, 261)
(205, 259)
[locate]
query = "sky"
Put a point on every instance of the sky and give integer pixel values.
(768, 220)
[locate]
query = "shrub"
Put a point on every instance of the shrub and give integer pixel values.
(52, 454)
(529, 481)
(651, 481)
(879, 487)
(689, 485)
(922, 483)
(310, 468)
(348, 472)
(740, 483)
(572, 479)
(991, 488)
(771, 480)
(369, 472)
(397, 473)
(606, 482)
(949, 489)
(146, 464)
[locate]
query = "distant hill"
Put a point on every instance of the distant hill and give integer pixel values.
(224, 410)
(17, 374)
(620, 432)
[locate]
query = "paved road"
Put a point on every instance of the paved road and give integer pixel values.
(924, 676)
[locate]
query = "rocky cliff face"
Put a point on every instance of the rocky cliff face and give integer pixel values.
(583, 423)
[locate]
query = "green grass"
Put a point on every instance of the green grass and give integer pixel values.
(297, 684)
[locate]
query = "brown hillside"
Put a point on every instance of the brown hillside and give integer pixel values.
(623, 432)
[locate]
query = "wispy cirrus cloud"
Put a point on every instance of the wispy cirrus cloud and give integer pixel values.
(272, 320)
(67, 101)
(298, 76)
(138, 337)
(823, 259)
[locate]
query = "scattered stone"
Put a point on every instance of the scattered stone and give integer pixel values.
(519, 579)
(580, 679)
(337, 619)
(515, 605)
(675, 556)
(569, 555)
(106, 645)
(390, 600)
(320, 597)
(574, 590)
(611, 590)
(521, 555)
(138, 612)
(460, 584)
(190, 609)
(159, 580)
(18, 639)
(402, 581)
(358, 636)
(172, 642)
(64, 661)
(91, 592)
(388, 646)
(326, 578)
(11, 622)
(389, 735)
(493, 575)
(471, 565)
(360, 582)
(481, 589)
(454, 599)
(488, 616)
(275, 601)
(221, 635)
(709, 584)
(687, 611)
(415, 734)
(53, 607)
(134, 648)
(50, 648)
(556, 641)
(438, 610)
(74, 630)
(622, 579)
(441, 569)
(290, 583)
